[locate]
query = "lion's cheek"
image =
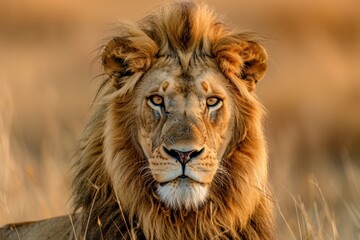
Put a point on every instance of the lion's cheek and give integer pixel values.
(145, 142)
(221, 129)
(203, 170)
(164, 170)
(149, 119)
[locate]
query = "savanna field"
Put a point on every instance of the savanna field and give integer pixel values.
(48, 70)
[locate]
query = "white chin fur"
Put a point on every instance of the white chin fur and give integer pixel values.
(182, 195)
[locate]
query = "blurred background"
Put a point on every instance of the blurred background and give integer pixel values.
(311, 92)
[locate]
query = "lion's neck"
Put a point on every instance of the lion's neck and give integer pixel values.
(110, 221)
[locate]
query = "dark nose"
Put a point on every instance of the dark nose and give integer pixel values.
(183, 157)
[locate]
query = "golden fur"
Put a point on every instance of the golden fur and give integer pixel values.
(120, 165)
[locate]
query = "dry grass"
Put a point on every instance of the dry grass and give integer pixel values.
(312, 93)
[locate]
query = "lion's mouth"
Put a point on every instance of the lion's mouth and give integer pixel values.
(182, 179)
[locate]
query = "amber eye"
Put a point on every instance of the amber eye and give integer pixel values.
(213, 101)
(156, 100)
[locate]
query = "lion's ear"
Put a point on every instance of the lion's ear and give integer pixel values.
(255, 63)
(243, 59)
(127, 55)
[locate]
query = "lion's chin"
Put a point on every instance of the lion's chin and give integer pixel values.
(182, 193)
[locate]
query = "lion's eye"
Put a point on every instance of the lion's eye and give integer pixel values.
(156, 100)
(213, 101)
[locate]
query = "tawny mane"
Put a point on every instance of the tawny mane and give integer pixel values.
(239, 206)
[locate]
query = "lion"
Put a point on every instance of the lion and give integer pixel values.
(175, 147)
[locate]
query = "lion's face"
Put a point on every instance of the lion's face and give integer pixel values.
(184, 130)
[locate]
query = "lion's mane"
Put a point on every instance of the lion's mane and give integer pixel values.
(240, 206)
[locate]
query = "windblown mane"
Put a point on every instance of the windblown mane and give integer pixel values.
(239, 206)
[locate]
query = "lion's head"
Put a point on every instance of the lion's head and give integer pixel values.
(183, 129)
(175, 148)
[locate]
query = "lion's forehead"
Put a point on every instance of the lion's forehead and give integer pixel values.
(179, 86)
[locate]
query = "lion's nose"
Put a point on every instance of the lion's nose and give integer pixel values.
(183, 157)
